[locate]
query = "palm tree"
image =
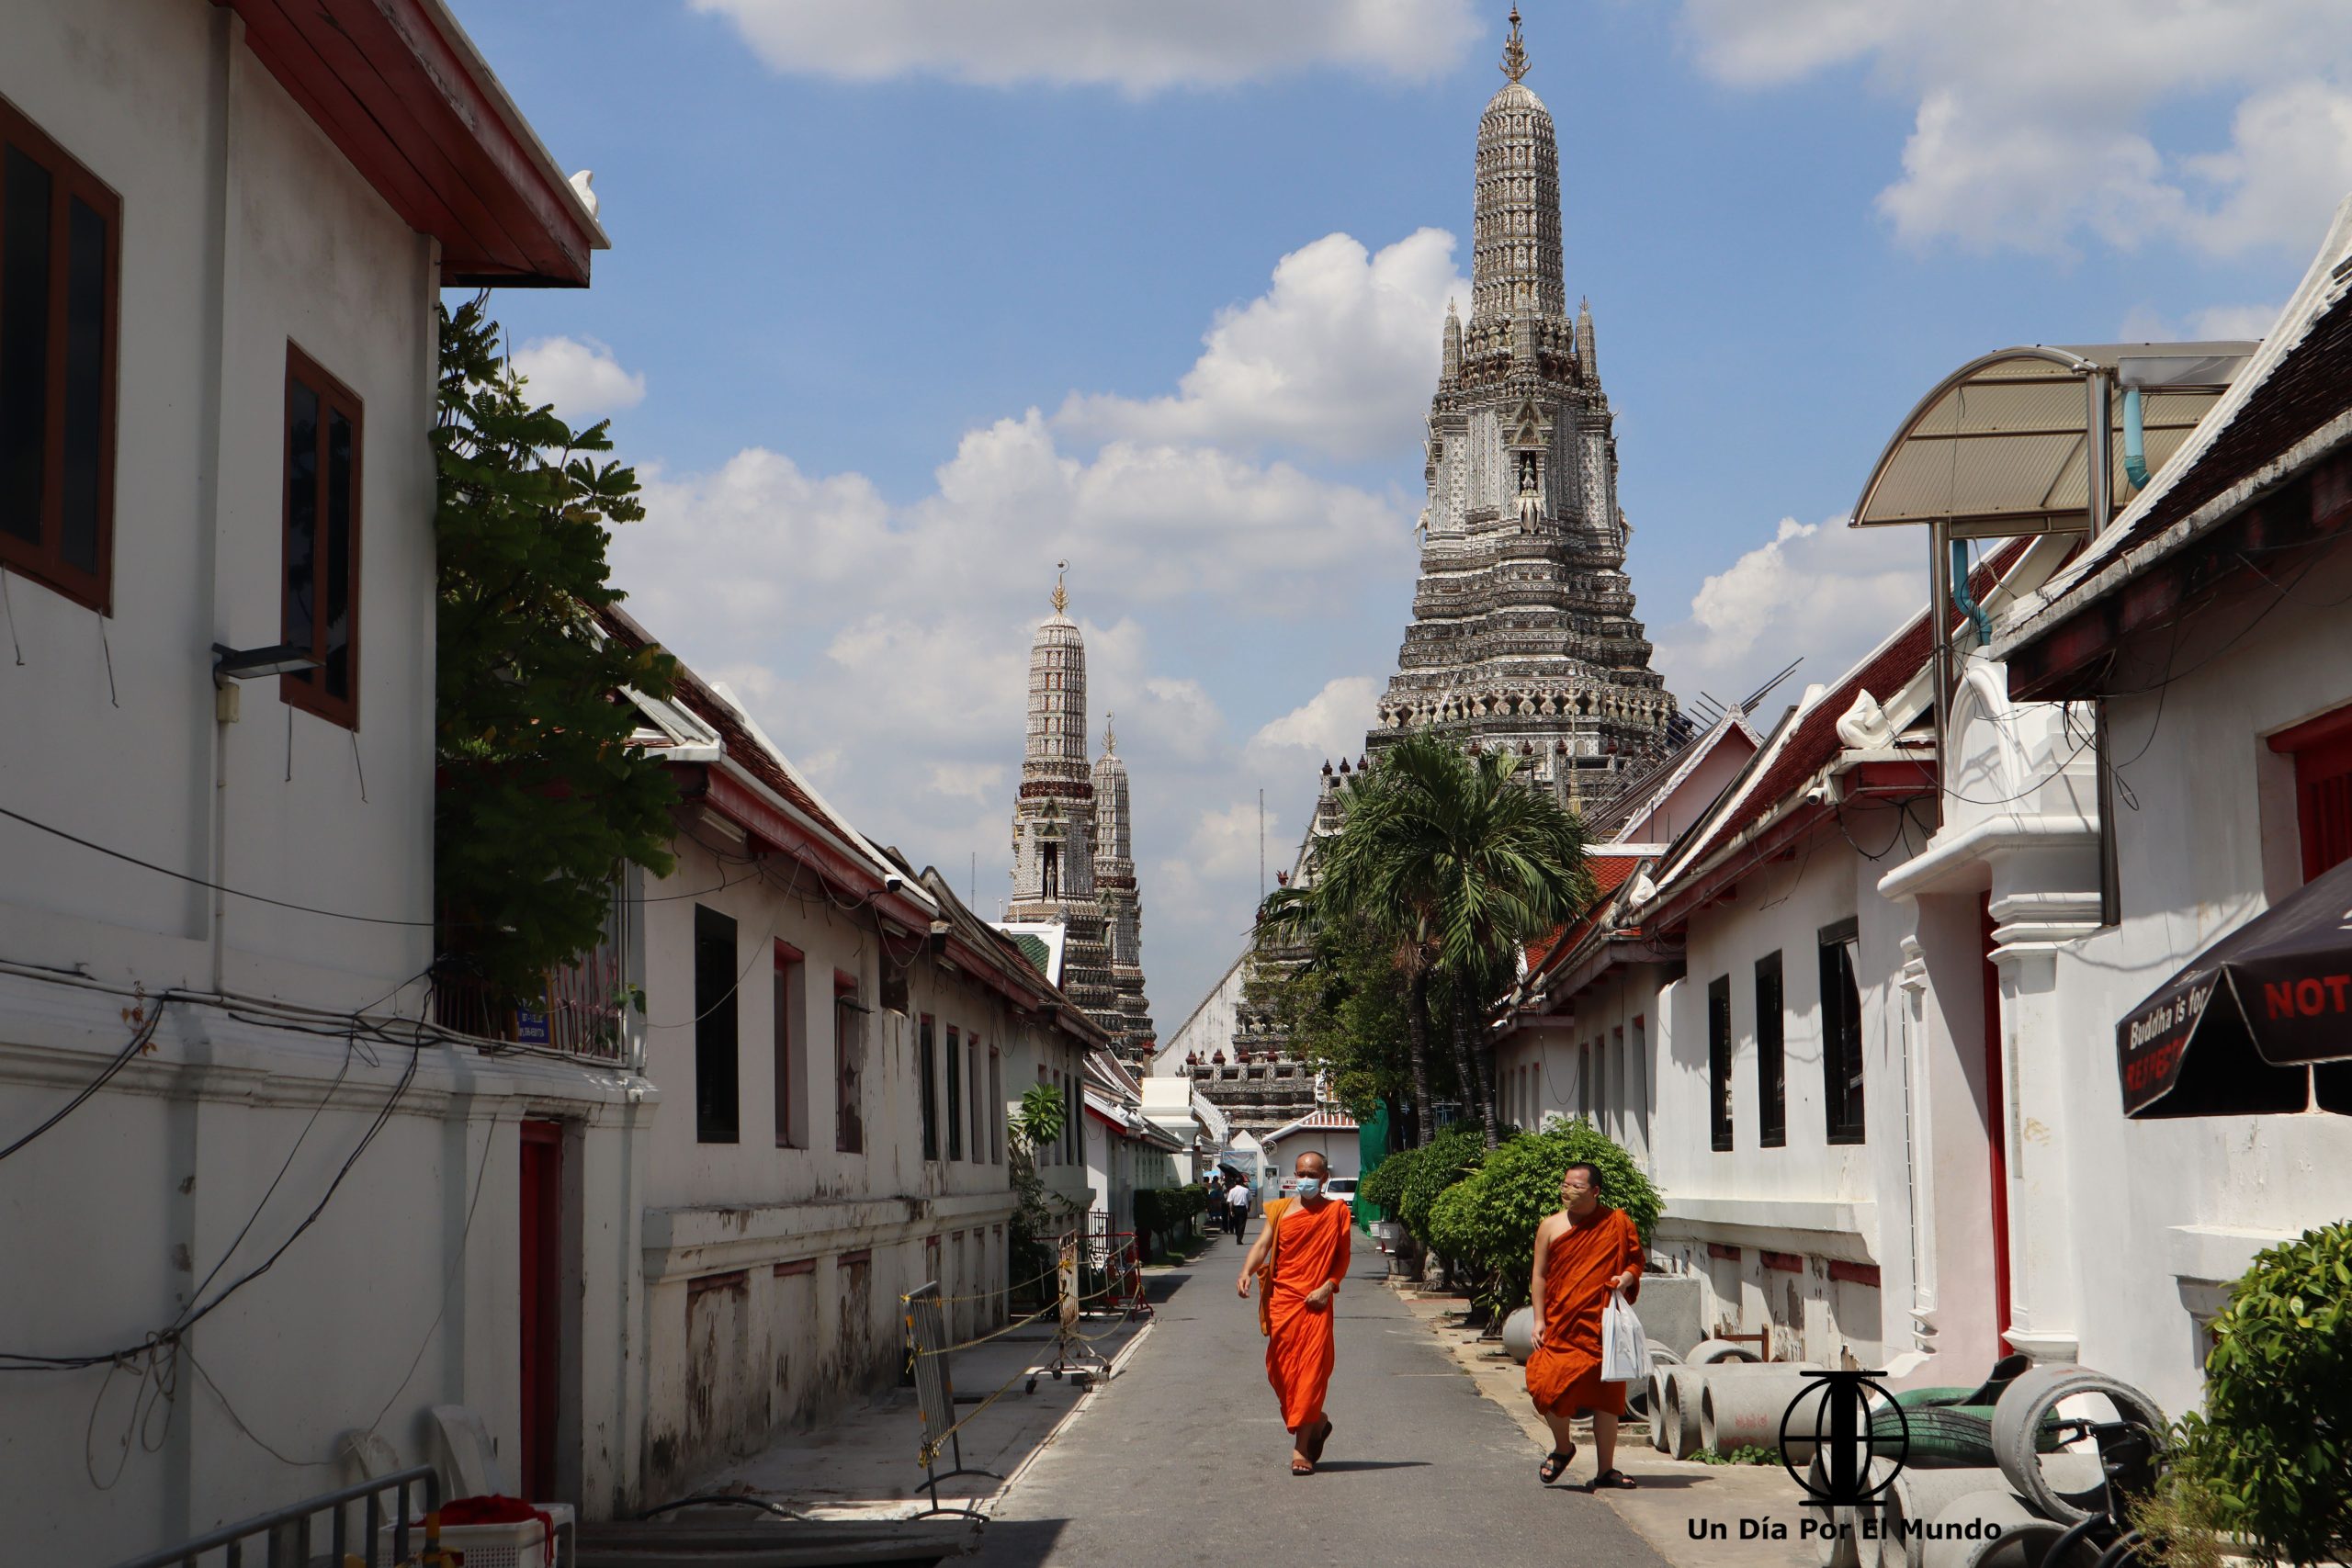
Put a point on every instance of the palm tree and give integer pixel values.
(1459, 863)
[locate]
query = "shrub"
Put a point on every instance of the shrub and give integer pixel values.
(2274, 1446)
(1386, 1184)
(1444, 1160)
(1486, 1221)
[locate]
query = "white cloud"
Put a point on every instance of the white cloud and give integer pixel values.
(885, 643)
(1820, 590)
(1138, 46)
(2034, 121)
(1338, 356)
(2213, 324)
(579, 376)
(1331, 724)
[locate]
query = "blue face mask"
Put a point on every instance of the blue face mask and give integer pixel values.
(1310, 1187)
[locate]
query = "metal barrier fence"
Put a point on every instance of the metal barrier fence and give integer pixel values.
(285, 1535)
(935, 1394)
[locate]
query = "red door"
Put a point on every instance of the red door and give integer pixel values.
(541, 1200)
(1997, 1137)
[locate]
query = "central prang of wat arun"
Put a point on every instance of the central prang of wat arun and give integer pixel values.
(1524, 638)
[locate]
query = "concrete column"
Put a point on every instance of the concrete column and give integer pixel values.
(2030, 928)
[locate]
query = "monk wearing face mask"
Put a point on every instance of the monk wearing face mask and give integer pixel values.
(1300, 1257)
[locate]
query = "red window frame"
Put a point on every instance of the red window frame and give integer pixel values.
(2322, 750)
(307, 688)
(42, 559)
(787, 1058)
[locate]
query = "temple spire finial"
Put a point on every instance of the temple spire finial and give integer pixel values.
(1061, 594)
(1110, 734)
(1514, 50)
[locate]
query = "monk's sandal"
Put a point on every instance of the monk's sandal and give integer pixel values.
(1555, 1465)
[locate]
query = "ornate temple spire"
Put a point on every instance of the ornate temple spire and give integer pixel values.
(1514, 63)
(1450, 371)
(1061, 593)
(1586, 355)
(1515, 256)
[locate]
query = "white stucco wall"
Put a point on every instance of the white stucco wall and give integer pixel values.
(753, 1320)
(243, 229)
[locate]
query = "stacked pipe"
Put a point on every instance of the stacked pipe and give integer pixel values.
(1973, 1517)
(1679, 1428)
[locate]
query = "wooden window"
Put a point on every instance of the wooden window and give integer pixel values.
(996, 1106)
(1719, 1062)
(61, 272)
(954, 1092)
(319, 597)
(1842, 1034)
(59, 278)
(1625, 1085)
(849, 1066)
(927, 1070)
(791, 1060)
(976, 1085)
(2323, 752)
(1771, 1056)
(717, 1070)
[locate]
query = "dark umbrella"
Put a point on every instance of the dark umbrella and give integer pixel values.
(2235, 1033)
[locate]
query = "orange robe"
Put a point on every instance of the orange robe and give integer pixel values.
(1311, 1249)
(1563, 1372)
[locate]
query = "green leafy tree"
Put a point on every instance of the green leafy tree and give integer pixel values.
(1457, 864)
(1345, 1010)
(1042, 1115)
(2271, 1457)
(541, 799)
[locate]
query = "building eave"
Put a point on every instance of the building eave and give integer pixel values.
(404, 94)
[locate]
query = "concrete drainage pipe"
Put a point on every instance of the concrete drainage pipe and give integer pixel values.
(1917, 1497)
(2066, 1491)
(1848, 1547)
(1968, 1524)
(1709, 1352)
(1745, 1412)
(1680, 1407)
(2019, 1546)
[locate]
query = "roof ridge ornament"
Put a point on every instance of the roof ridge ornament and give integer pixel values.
(1514, 63)
(1061, 594)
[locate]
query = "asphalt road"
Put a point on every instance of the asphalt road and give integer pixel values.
(1183, 1459)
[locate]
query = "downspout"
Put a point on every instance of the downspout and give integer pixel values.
(1960, 596)
(2135, 443)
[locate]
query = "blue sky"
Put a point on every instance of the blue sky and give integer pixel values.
(909, 301)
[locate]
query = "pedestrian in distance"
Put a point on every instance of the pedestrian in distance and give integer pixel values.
(1582, 1253)
(1297, 1262)
(1236, 1209)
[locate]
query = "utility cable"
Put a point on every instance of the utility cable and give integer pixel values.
(139, 1041)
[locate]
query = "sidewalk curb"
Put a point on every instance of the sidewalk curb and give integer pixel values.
(987, 1505)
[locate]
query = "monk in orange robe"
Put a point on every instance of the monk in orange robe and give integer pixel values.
(1309, 1238)
(1581, 1254)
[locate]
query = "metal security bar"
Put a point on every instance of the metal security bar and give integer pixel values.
(285, 1536)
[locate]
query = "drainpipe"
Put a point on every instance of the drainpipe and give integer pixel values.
(2099, 459)
(2135, 441)
(1960, 596)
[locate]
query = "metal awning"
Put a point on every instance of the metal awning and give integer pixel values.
(2237, 1030)
(1998, 448)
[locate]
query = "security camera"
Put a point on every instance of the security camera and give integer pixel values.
(892, 881)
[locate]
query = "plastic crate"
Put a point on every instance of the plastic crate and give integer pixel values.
(523, 1544)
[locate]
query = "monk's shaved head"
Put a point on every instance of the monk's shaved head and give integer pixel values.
(1311, 1164)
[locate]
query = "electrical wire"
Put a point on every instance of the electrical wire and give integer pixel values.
(137, 1041)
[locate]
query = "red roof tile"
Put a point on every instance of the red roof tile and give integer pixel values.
(1609, 874)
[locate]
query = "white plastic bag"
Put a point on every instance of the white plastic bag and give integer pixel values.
(1624, 1350)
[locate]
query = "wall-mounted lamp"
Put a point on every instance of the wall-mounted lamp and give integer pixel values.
(230, 665)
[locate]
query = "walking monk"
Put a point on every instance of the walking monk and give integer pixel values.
(1581, 1254)
(1302, 1254)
